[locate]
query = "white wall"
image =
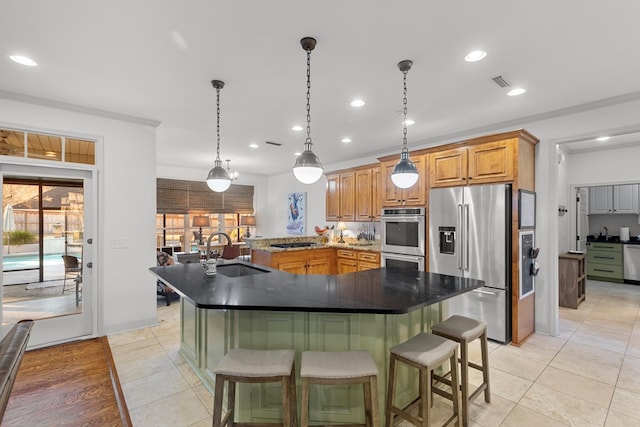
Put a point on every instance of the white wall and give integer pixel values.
(619, 166)
(126, 207)
(276, 207)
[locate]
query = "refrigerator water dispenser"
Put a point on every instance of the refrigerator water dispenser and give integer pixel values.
(447, 240)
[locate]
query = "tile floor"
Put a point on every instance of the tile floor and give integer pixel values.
(587, 376)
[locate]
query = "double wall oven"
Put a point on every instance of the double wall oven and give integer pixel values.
(403, 238)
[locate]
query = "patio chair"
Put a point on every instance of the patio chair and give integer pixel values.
(71, 265)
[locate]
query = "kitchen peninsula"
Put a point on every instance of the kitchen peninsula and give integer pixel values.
(251, 306)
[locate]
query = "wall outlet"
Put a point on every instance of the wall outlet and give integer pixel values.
(119, 243)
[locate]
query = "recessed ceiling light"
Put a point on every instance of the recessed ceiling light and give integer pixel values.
(297, 153)
(50, 154)
(516, 91)
(23, 60)
(297, 128)
(346, 139)
(254, 145)
(603, 138)
(476, 55)
(409, 122)
(357, 103)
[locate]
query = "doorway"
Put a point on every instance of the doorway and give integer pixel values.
(48, 218)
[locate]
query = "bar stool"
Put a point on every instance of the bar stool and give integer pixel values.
(424, 352)
(343, 367)
(255, 366)
(464, 330)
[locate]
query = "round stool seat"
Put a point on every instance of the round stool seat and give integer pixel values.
(460, 327)
(337, 364)
(425, 349)
(242, 362)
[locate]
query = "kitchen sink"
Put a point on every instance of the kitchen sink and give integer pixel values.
(239, 270)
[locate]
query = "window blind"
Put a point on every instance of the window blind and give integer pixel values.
(180, 196)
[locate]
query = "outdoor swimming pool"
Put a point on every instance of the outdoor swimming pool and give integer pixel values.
(25, 261)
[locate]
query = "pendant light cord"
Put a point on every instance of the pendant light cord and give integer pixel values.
(218, 122)
(405, 149)
(308, 141)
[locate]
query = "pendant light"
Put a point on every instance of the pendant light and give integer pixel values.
(218, 179)
(308, 168)
(405, 173)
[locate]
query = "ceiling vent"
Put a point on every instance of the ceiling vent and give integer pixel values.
(500, 81)
(277, 144)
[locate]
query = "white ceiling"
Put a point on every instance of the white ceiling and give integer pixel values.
(154, 60)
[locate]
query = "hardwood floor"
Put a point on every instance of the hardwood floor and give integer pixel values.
(72, 384)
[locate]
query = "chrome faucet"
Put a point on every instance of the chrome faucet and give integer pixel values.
(606, 232)
(216, 233)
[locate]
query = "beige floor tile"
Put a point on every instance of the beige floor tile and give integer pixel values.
(136, 350)
(521, 416)
(562, 407)
(160, 385)
(616, 419)
(543, 347)
(603, 338)
(510, 359)
(130, 337)
(633, 347)
(188, 374)
(568, 327)
(626, 403)
(134, 369)
(501, 383)
(577, 386)
(178, 410)
(595, 363)
(205, 397)
(629, 378)
(170, 342)
(489, 414)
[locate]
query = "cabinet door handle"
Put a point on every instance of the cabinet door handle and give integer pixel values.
(603, 257)
(606, 271)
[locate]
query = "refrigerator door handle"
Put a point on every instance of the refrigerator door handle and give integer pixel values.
(459, 243)
(479, 291)
(466, 237)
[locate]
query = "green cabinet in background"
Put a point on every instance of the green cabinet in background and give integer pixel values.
(605, 261)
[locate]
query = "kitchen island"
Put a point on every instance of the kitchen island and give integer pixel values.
(251, 306)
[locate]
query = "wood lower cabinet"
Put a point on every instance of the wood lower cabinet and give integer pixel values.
(490, 162)
(305, 261)
(351, 260)
(412, 196)
(572, 280)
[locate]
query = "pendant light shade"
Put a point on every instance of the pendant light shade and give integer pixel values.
(218, 179)
(405, 173)
(308, 168)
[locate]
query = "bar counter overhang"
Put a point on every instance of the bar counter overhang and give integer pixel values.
(371, 310)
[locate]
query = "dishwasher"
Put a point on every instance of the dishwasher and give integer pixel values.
(632, 263)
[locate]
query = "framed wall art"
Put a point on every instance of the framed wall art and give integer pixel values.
(526, 209)
(296, 213)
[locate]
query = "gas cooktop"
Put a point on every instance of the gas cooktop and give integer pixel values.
(293, 245)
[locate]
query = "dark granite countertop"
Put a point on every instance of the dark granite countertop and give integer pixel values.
(382, 290)
(633, 240)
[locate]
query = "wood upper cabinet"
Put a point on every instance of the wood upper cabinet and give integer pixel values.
(412, 196)
(367, 194)
(341, 197)
(490, 162)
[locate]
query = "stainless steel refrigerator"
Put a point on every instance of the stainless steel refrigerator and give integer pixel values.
(470, 236)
